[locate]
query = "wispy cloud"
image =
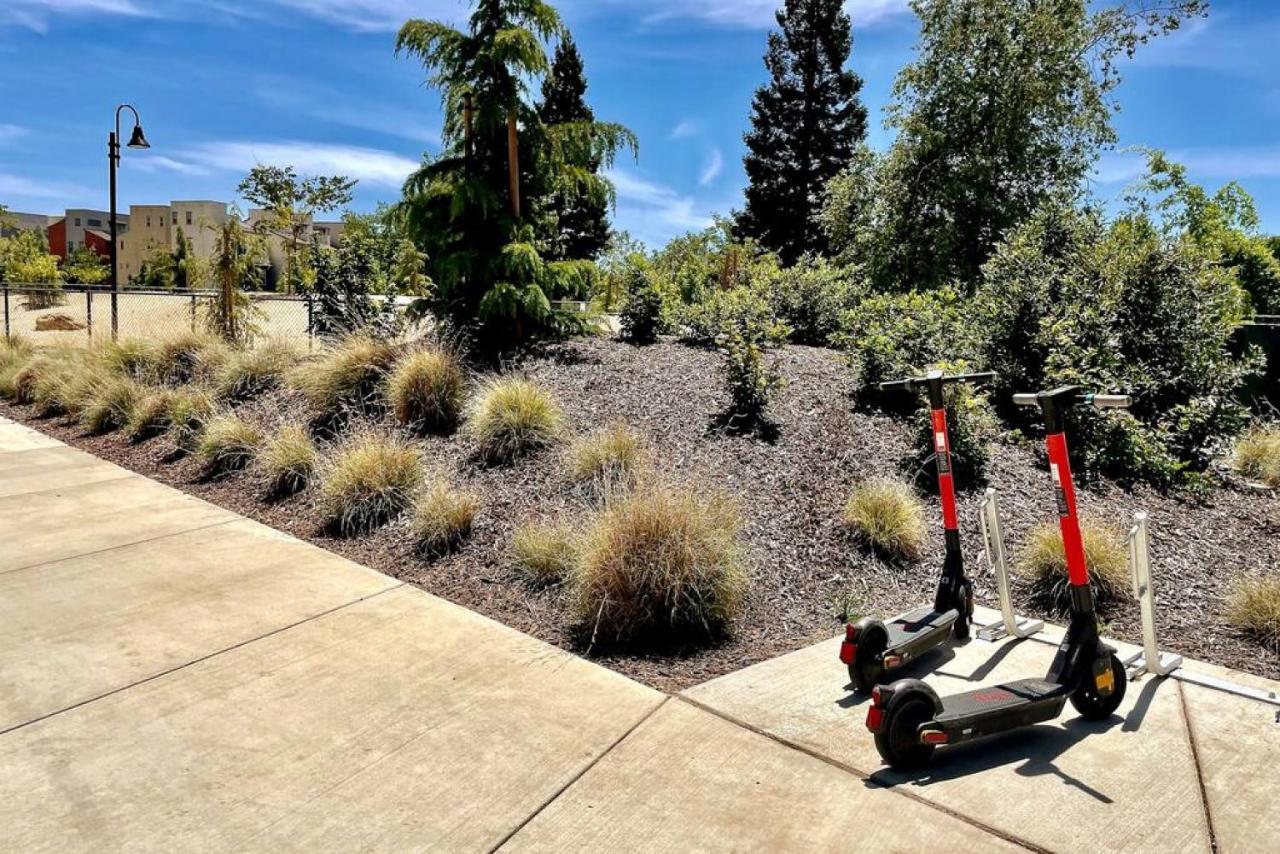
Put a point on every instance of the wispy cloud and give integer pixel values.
(655, 212)
(756, 14)
(159, 163)
(712, 168)
(20, 186)
(36, 14)
(367, 165)
(8, 133)
(685, 129)
(1203, 164)
(340, 108)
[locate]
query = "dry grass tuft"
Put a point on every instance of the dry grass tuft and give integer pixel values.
(1258, 456)
(133, 357)
(511, 417)
(348, 375)
(442, 518)
(1254, 608)
(228, 445)
(544, 553)
(371, 480)
(190, 357)
(249, 373)
(110, 404)
(427, 390)
(608, 458)
(290, 459)
(190, 409)
(150, 416)
(1045, 564)
(664, 563)
(887, 516)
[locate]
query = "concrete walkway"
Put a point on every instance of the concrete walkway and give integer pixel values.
(176, 677)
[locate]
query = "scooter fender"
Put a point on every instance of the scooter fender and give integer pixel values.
(868, 636)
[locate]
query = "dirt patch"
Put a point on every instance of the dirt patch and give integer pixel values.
(58, 323)
(792, 489)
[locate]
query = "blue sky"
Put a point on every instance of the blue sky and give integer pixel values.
(225, 84)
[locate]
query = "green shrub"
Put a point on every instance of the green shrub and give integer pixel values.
(750, 381)
(972, 426)
(891, 336)
(150, 416)
(743, 312)
(544, 553)
(427, 390)
(442, 518)
(812, 296)
(513, 416)
(612, 457)
(228, 444)
(1045, 564)
(371, 480)
(190, 409)
(290, 460)
(190, 357)
(133, 357)
(249, 373)
(1258, 456)
(347, 375)
(886, 516)
(110, 404)
(1254, 607)
(664, 562)
(643, 310)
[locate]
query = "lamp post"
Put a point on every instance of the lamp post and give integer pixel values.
(136, 140)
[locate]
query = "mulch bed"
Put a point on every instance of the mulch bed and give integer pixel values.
(792, 490)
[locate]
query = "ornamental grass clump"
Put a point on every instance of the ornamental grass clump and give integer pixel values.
(1044, 564)
(110, 404)
(290, 460)
(371, 480)
(609, 458)
(1258, 456)
(664, 563)
(133, 357)
(190, 357)
(15, 353)
(544, 553)
(228, 444)
(249, 373)
(512, 417)
(886, 516)
(427, 390)
(1254, 607)
(151, 415)
(347, 375)
(189, 410)
(442, 518)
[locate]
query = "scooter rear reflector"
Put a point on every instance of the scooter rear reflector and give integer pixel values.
(892, 661)
(934, 736)
(875, 717)
(847, 652)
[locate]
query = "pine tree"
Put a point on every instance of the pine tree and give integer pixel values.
(805, 126)
(577, 219)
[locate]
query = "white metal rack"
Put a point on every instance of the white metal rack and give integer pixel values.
(1009, 624)
(1150, 659)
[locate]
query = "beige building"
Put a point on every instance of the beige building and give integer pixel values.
(321, 233)
(155, 227)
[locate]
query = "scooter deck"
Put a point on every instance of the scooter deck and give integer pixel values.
(1001, 707)
(920, 629)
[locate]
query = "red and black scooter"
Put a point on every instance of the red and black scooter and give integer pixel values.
(874, 648)
(910, 720)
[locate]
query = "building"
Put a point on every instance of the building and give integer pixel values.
(77, 221)
(318, 232)
(16, 221)
(153, 227)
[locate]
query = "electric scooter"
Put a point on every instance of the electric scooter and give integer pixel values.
(873, 648)
(910, 720)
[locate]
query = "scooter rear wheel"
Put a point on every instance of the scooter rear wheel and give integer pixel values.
(898, 740)
(1091, 704)
(867, 668)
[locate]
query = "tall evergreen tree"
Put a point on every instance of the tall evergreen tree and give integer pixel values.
(576, 217)
(805, 126)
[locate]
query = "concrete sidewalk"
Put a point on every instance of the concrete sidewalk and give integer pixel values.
(176, 677)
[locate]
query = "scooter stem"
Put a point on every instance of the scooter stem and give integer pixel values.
(1065, 494)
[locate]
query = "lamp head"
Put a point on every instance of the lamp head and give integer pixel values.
(138, 139)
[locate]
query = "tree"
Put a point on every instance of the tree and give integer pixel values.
(25, 259)
(231, 314)
(84, 267)
(577, 217)
(1007, 105)
(474, 207)
(805, 126)
(291, 204)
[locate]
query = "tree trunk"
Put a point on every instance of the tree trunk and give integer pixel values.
(513, 162)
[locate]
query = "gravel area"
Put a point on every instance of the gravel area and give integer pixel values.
(792, 489)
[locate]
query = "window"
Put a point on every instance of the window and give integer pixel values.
(188, 217)
(77, 222)
(175, 217)
(148, 222)
(95, 223)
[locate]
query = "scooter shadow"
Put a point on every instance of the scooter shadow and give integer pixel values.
(1035, 747)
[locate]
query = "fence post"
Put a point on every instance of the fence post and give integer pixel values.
(311, 321)
(88, 313)
(193, 313)
(6, 312)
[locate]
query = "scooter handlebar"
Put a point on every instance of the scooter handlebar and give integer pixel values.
(1026, 399)
(897, 385)
(981, 378)
(1109, 401)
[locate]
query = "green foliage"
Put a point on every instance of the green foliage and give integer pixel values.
(750, 380)
(512, 417)
(608, 459)
(1069, 299)
(190, 409)
(134, 357)
(695, 265)
(371, 480)
(804, 126)
(290, 460)
(228, 444)
(891, 336)
(888, 518)
(427, 390)
(25, 259)
(232, 315)
(356, 285)
(972, 426)
(190, 357)
(290, 204)
(643, 309)
(811, 296)
(442, 518)
(742, 312)
(84, 267)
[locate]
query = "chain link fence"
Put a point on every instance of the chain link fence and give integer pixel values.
(80, 314)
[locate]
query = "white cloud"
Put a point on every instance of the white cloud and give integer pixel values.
(758, 14)
(378, 15)
(654, 212)
(159, 163)
(29, 188)
(712, 168)
(685, 129)
(1203, 164)
(35, 14)
(340, 108)
(367, 165)
(8, 133)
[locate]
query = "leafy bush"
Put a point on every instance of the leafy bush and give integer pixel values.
(972, 426)
(884, 515)
(349, 374)
(1258, 456)
(891, 336)
(190, 409)
(1254, 608)
(1069, 300)
(151, 415)
(742, 311)
(750, 381)
(607, 458)
(544, 553)
(643, 309)
(370, 480)
(228, 444)
(664, 562)
(513, 416)
(442, 518)
(427, 390)
(1045, 564)
(133, 357)
(190, 357)
(249, 373)
(290, 459)
(111, 404)
(811, 297)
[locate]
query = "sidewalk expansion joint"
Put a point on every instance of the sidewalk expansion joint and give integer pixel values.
(1195, 759)
(172, 670)
(125, 474)
(578, 776)
(119, 546)
(866, 777)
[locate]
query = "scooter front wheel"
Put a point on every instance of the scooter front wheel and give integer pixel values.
(1092, 704)
(899, 739)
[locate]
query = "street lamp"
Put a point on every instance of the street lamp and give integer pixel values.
(136, 140)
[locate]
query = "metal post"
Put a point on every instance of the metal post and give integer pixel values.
(6, 312)
(88, 313)
(113, 157)
(1010, 623)
(1150, 659)
(193, 312)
